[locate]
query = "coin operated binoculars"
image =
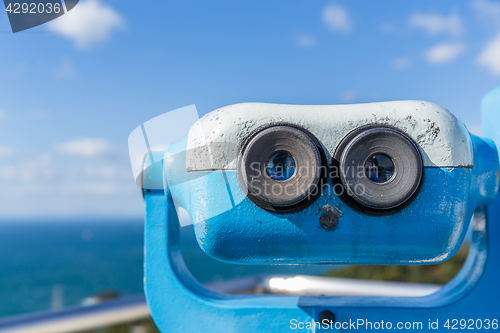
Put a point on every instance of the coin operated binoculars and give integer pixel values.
(381, 183)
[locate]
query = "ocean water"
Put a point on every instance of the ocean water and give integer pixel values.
(73, 258)
(47, 264)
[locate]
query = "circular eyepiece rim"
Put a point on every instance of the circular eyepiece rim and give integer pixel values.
(352, 200)
(315, 189)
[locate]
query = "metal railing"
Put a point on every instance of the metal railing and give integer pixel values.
(77, 319)
(134, 308)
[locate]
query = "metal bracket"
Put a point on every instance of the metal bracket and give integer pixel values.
(179, 303)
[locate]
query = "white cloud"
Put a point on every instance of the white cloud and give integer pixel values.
(435, 24)
(89, 23)
(107, 172)
(304, 40)
(29, 171)
(347, 96)
(97, 188)
(87, 148)
(490, 56)
(487, 12)
(100, 188)
(336, 18)
(6, 152)
(65, 70)
(402, 63)
(444, 52)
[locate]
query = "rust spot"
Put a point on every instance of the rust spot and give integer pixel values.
(411, 121)
(329, 220)
(434, 130)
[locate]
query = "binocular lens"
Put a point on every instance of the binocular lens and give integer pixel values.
(281, 166)
(379, 168)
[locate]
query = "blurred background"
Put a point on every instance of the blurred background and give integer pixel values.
(72, 90)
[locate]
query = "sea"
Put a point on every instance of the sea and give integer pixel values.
(54, 264)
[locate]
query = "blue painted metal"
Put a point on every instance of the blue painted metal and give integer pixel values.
(429, 230)
(178, 302)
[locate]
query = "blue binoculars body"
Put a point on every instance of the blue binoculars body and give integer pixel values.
(378, 183)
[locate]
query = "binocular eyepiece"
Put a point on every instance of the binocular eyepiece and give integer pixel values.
(375, 169)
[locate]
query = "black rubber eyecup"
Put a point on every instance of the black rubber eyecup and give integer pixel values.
(379, 188)
(293, 192)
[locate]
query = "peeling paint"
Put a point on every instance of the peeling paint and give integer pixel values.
(443, 139)
(434, 130)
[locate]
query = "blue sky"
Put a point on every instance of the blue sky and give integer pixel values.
(72, 90)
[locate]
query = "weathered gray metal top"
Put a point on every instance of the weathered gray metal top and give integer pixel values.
(443, 139)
